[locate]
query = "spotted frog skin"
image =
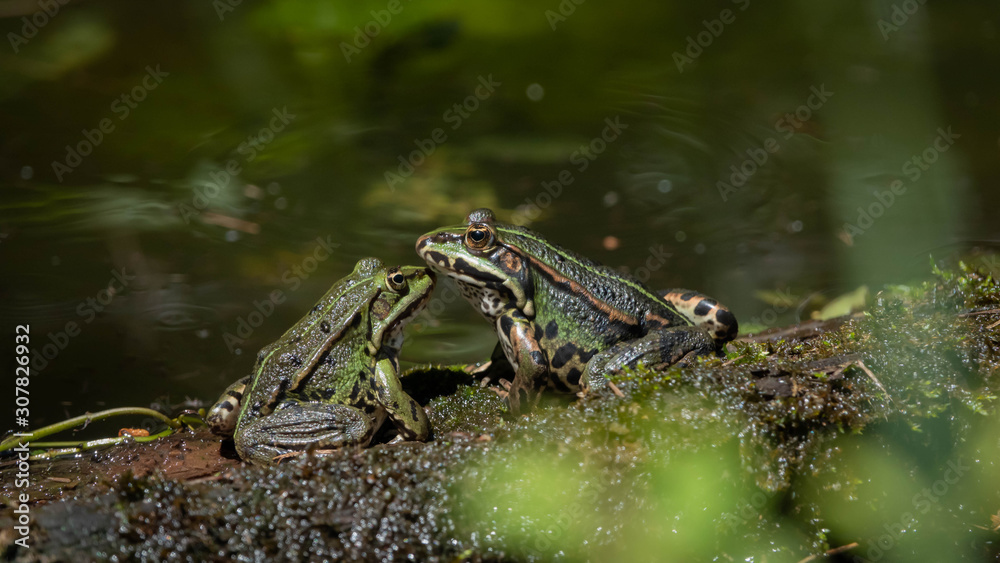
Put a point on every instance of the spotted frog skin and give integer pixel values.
(564, 321)
(332, 379)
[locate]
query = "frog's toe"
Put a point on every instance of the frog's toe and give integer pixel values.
(503, 391)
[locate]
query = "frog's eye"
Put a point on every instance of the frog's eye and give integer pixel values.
(478, 236)
(395, 279)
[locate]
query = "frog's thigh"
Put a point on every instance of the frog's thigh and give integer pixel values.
(405, 413)
(658, 348)
(517, 337)
(296, 426)
(222, 417)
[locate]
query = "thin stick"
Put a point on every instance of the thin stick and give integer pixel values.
(830, 552)
(986, 312)
(864, 368)
(84, 420)
(77, 447)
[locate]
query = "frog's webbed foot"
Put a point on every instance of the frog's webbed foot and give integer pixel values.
(521, 396)
(515, 396)
(503, 392)
(523, 352)
(497, 369)
(657, 350)
(295, 427)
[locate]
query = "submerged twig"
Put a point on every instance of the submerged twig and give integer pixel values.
(986, 312)
(864, 368)
(830, 552)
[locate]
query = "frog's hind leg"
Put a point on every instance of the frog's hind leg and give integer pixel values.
(702, 310)
(222, 417)
(658, 349)
(296, 426)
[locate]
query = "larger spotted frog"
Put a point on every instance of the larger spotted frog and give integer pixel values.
(332, 379)
(564, 321)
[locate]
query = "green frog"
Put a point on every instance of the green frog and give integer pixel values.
(332, 379)
(563, 321)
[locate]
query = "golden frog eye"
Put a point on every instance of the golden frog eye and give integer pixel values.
(395, 279)
(478, 236)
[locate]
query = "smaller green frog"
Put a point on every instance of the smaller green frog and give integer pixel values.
(332, 379)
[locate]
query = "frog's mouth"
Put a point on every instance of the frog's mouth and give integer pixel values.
(416, 305)
(414, 308)
(393, 337)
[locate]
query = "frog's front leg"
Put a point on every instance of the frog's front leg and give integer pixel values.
(295, 426)
(657, 349)
(517, 338)
(407, 414)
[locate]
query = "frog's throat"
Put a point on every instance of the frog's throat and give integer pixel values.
(521, 299)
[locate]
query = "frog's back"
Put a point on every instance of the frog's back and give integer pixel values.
(604, 290)
(329, 334)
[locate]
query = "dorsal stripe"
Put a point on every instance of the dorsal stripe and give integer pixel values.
(576, 287)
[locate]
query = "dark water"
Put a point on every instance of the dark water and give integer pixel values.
(167, 166)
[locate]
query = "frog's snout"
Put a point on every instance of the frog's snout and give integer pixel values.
(422, 243)
(429, 248)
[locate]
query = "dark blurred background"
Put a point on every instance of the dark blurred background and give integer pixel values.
(166, 166)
